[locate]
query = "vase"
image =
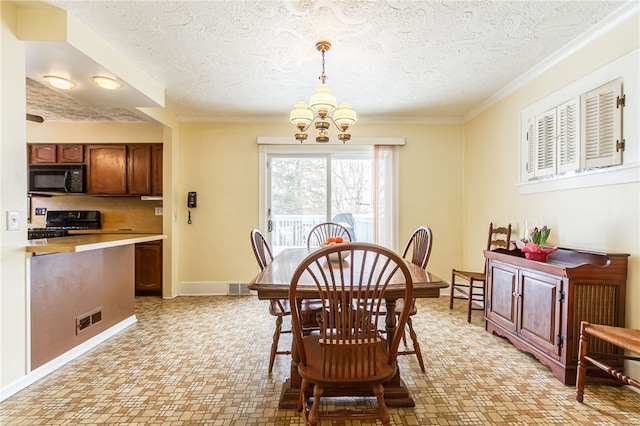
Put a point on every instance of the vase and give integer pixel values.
(539, 256)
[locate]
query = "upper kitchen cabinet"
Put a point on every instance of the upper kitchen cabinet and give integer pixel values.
(107, 169)
(156, 169)
(134, 169)
(139, 169)
(56, 153)
(71, 153)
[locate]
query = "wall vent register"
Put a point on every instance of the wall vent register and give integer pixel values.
(85, 321)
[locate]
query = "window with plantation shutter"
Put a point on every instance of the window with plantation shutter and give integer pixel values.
(546, 143)
(602, 126)
(575, 136)
(568, 121)
(584, 132)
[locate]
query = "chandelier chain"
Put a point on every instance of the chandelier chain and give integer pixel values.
(323, 78)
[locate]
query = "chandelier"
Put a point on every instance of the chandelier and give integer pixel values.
(322, 110)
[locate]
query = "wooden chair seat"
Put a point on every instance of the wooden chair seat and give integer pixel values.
(624, 338)
(320, 368)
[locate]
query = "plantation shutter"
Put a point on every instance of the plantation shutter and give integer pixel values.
(545, 143)
(602, 126)
(569, 136)
(530, 167)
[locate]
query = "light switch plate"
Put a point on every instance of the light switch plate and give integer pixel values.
(13, 221)
(158, 211)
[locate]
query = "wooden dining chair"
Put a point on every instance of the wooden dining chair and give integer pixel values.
(348, 354)
(320, 233)
(279, 308)
(417, 250)
(472, 286)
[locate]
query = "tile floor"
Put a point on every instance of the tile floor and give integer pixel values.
(185, 363)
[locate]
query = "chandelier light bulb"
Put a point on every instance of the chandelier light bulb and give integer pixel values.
(322, 102)
(344, 116)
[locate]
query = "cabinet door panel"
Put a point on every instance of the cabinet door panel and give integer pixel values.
(156, 169)
(540, 311)
(139, 169)
(107, 169)
(148, 265)
(42, 153)
(501, 300)
(71, 153)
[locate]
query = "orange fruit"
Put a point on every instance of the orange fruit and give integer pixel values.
(331, 240)
(339, 239)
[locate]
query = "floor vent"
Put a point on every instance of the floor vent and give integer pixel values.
(239, 289)
(85, 321)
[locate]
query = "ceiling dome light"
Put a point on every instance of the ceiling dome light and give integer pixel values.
(106, 83)
(59, 82)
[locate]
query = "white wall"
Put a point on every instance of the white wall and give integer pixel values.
(13, 197)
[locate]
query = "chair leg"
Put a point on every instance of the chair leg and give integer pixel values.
(470, 301)
(385, 417)
(416, 345)
(453, 282)
(314, 413)
(274, 343)
(404, 336)
(582, 366)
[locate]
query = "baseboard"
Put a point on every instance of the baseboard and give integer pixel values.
(54, 364)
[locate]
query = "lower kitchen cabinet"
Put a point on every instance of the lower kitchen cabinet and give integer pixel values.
(538, 306)
(148, 266)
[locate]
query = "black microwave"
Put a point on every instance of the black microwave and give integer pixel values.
(57, 178)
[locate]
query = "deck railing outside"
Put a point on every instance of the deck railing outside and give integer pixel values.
(292, 230)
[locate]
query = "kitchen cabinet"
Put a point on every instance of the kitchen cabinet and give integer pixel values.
(538, 306)
(106, 169)
(70, 153)
(134, 169)
(139, 169)
(156, 169)
(56, 153)
(148, 268)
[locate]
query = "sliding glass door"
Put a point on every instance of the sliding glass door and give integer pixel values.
(302, 190)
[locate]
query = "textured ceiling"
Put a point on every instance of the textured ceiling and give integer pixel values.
(392, 60)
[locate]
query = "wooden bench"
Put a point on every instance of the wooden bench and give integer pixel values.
(624, 338)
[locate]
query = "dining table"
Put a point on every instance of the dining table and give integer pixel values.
(274, 282)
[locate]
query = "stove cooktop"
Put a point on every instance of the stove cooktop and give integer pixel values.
(60, 222)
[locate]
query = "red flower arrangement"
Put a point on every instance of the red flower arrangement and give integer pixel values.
(533, 248)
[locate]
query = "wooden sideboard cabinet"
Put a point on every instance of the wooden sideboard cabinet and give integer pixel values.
(538, 306)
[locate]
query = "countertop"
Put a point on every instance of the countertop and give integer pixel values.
(78, 243)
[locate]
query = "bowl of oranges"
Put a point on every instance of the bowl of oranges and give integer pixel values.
(336, 257)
